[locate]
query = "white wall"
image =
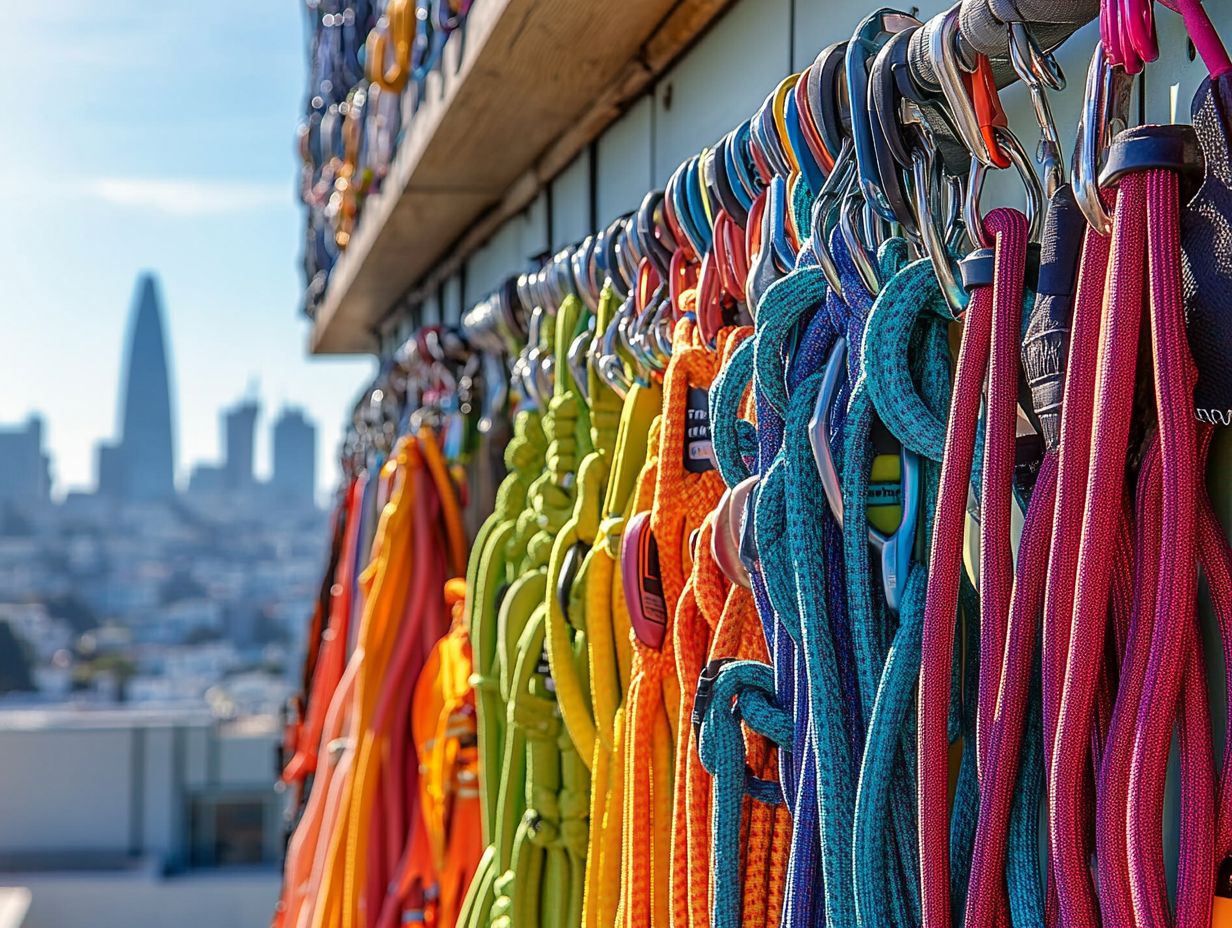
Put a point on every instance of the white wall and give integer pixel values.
(65, 791)
(115, 787)
(142, 900)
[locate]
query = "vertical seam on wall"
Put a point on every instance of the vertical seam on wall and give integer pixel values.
(136, 799)
(179, 795)
(791, 36)
(592, 181)
(212, 763)
(549, 204)
(653, 96)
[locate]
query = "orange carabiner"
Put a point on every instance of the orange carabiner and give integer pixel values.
(648, 283)
(988, 109)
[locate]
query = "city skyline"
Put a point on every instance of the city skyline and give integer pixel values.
(189, 184)
(138, 461)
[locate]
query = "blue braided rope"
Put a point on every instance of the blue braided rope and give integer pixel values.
(744, 691)
(835, 785)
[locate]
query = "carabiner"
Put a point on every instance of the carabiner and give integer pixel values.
(828, 97)
(972, 98)
(866, 42)
(865, 262)
(1105, 112)
(894, 550)
(1039, 70)
(936, 246)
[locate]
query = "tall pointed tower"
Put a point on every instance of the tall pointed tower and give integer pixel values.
(147, 442)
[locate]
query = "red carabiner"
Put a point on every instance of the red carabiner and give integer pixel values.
(682, 278)
(647, 283)
(729, 252)
(988, 109)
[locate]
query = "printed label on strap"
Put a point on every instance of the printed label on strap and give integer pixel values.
(885, 494)
(698, 449)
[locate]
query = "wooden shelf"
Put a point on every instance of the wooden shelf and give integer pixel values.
(527, 85)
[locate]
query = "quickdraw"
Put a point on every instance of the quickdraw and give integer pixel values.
(846, 566)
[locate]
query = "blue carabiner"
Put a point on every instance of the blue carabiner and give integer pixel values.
(695, 212)
(868, 39)
(809, 167)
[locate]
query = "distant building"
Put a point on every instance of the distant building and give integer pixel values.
(239, 432)
(295, 457)
(207, 479)
(146, 456)
(25, 470)
(109, 465)
(176, 822)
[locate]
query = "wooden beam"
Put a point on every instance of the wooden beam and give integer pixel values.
(523, 90)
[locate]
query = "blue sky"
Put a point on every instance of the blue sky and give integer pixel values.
(148, 135)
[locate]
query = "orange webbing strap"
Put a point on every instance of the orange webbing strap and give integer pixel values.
(323, 894)
(407, 863)
(331, 658)
(696, 617)
(767, 829)
(682, 499)
(443, 727)
(388, 577)
(308, 749)
(691, 822)
(305, 857)
(726, 625)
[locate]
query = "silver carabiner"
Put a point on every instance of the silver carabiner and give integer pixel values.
(944, 55)
(1040, 71)
(1105, 112)
(975, 185)
(936, 247)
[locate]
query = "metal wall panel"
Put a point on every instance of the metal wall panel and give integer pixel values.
(533, 227)
(452, 299)
(430, 312)
(501, 256)
(622, 162)
(721, 81)
(571, 202)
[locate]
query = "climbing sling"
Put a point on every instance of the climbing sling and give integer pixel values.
(855, 561)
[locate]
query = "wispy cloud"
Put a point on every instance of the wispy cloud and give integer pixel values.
(187, 197)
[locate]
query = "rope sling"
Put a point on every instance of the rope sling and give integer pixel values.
(856, 561)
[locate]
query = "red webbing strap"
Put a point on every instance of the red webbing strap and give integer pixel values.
(1004, 739)
(996, 503)
(1009, 231)
(1075, 452)
(1173, 638)
(1073, 458)
(1118, 351)
(1116, 901)
(1164, 614)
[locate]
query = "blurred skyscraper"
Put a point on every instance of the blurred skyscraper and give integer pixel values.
(239, 430)
(295, 457)
(142, 465)
(25, 471)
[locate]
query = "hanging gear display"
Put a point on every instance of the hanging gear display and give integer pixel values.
(847, 564)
